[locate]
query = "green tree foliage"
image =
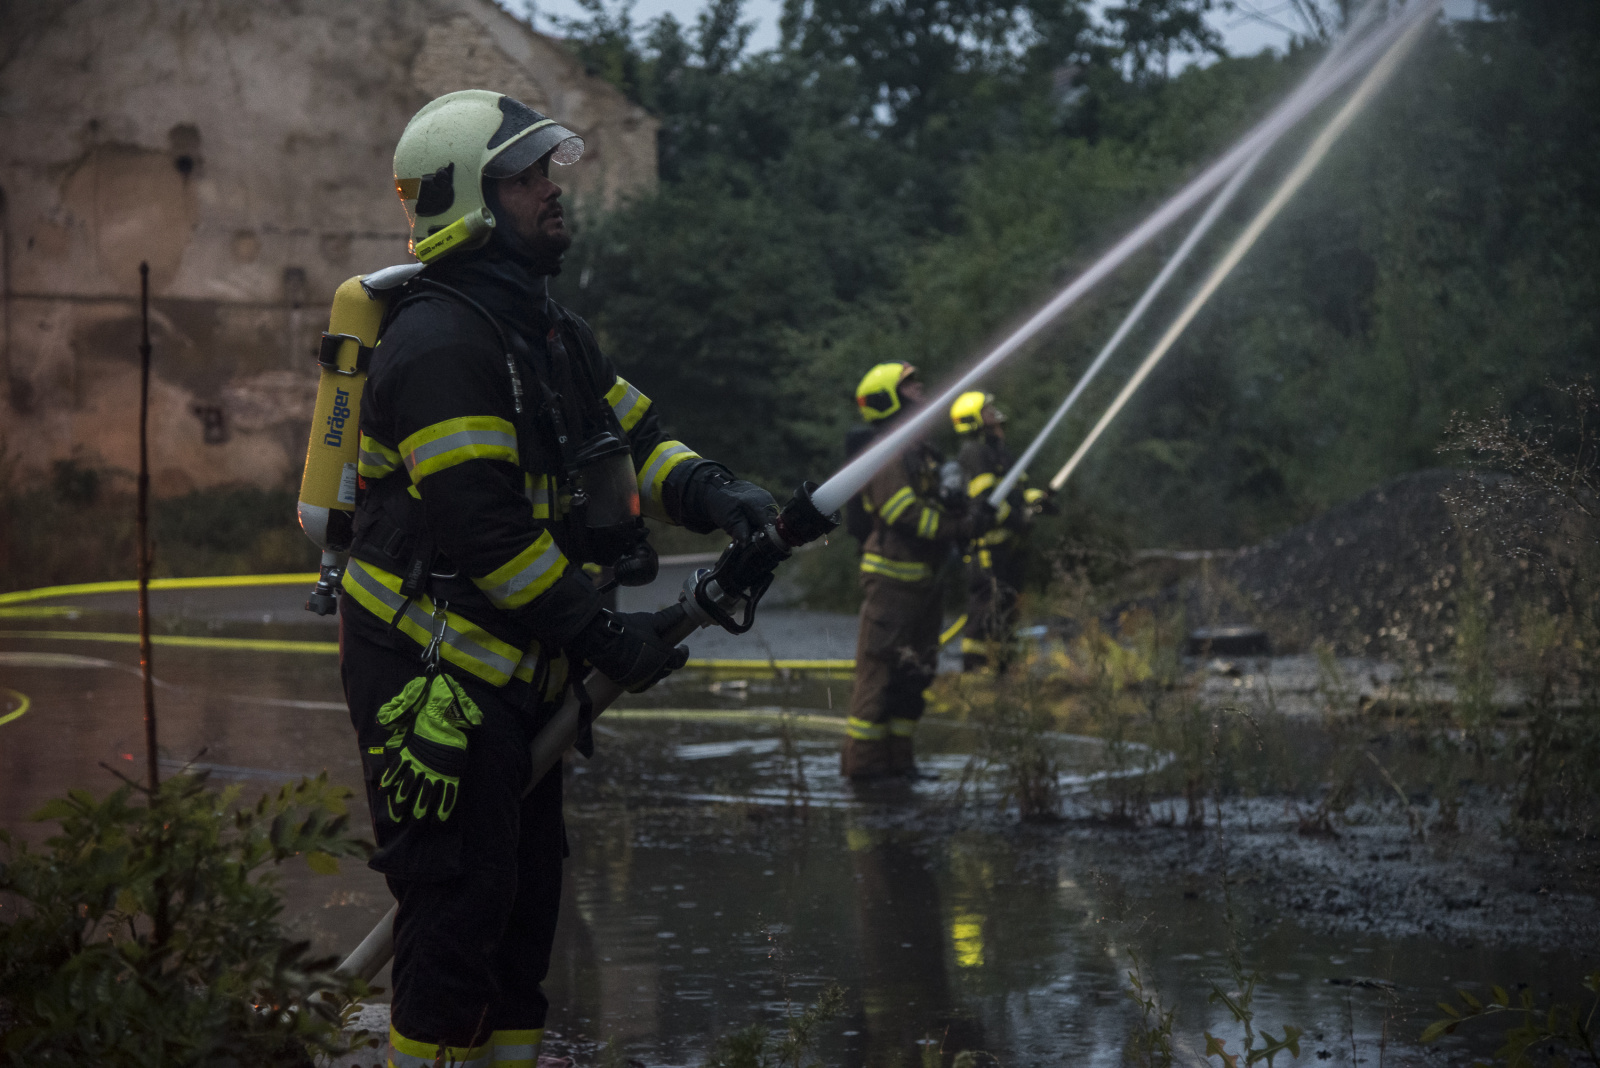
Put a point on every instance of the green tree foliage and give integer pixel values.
(145, 932)
(902, 180)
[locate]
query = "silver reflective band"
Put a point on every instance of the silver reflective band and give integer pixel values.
(535, 571)
(648, 476)
(421, 454)
(625, 405)
(375, 460)
(414, 613)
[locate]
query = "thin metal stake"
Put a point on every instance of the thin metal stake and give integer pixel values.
(143, 525)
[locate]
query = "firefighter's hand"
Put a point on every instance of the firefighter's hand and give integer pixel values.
(979, 520)
(627, 648)
(426, 753)
(738, 507)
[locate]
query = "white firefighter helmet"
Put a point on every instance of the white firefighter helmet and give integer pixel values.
(449, 148)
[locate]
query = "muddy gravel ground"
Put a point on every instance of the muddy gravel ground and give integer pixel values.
(1371, 874)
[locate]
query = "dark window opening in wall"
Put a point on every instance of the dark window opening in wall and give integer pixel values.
(294, 286)
(185, 165)
(213, 427)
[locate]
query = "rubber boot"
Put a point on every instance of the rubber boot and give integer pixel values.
(902, 761)
(861, 759)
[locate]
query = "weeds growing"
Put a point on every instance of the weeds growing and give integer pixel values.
(146, 932)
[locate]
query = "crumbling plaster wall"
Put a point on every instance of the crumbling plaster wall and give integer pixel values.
(244, 151)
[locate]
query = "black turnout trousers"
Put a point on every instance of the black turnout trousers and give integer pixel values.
(479, 894)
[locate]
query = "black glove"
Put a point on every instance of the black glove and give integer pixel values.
(979, 520)
(627, 648)
(1041, 501)
(741, 508)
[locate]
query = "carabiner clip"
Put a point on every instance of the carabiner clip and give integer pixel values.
(441, 621)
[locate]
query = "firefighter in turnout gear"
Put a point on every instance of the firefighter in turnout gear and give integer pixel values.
(500, 453)
(912, 534)
(994, 558)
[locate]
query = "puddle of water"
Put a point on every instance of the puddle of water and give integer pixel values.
(722, 872)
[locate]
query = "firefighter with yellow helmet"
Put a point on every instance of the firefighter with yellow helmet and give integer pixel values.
(913, 530)
(500, 453)
(994, 558)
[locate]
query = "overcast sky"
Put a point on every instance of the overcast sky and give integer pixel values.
(1244, 36)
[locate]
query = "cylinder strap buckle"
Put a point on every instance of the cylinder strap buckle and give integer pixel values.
(441, 622)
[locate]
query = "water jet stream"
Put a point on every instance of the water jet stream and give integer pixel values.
(850, 478)
(1213, 211)
(1380, 73)
(1201, 227)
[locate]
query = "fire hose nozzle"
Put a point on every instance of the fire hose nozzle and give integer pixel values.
(801, 521)
(742, 575)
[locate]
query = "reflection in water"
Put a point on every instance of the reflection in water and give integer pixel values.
(905, 995)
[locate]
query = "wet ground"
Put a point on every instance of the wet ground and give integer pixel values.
(721, 872)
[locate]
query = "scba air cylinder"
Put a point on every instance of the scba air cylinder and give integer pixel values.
(328, 487)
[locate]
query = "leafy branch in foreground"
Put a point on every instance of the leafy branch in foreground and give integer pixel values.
(754, 1046)
(1238, 1005)
(146, 934)
(1559, 1032)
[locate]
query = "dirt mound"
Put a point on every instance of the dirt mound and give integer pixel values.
(1379, 575)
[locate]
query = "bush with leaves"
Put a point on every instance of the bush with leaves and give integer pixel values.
(147, 933)
(1563, 1034)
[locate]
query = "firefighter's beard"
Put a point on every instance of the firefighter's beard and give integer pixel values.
(544, 251)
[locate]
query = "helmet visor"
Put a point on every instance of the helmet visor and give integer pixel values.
(544, 137)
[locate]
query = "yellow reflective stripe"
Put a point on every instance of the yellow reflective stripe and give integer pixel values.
(516, 1049)
(896, 505)
(864, 730)
(662, 459)
(409, 1053)
(526, 575)
(627, 402)
(454, 441)
(928, 524)
(902, 728)
(904, 570)
(974, 645)
(867, 505)
(995, 537)
(412, 489)
(466, 645)
(986, 559)
(374, 459)
(538, 489)
(981, 483)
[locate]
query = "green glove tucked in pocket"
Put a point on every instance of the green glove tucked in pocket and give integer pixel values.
(427, 748)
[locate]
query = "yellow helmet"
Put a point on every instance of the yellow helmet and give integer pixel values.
(967, 412)
(449, 148)
(878, 395)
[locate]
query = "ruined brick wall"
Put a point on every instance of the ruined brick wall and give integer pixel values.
(244, 151)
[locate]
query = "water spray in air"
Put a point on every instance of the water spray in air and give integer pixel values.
(1135, 314)
(849, 479)
(1291, 184)
(1213, 211)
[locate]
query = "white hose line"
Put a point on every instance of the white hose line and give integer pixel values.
(849, 480)
(1201, 228)
(1291, 184)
